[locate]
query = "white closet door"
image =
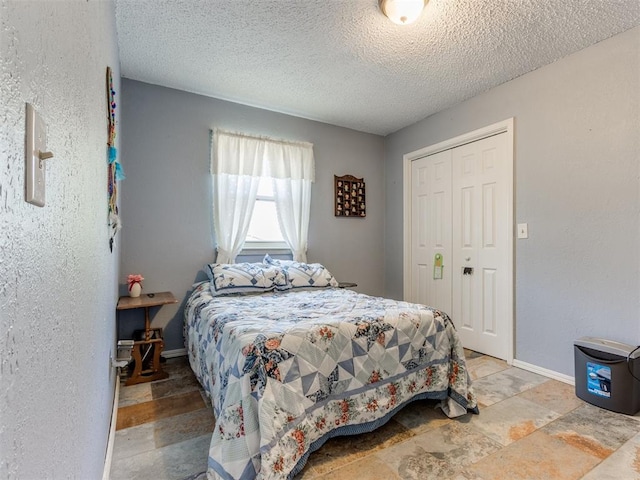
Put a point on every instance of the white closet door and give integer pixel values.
(460, 210)
(480, 245)
(431, 230)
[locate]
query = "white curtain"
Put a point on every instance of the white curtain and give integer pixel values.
(238, 163)
(236, 166)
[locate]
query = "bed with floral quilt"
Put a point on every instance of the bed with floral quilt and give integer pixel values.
(289, 367)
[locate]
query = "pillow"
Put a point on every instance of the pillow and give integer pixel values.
(274, 261)
(230, 278)
(304, 275)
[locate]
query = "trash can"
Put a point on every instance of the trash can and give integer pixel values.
(605, 372)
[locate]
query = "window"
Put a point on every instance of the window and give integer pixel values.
(240, 164)
(264, 229)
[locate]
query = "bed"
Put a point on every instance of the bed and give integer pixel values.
(289, 361)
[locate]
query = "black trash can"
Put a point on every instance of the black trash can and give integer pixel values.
(605, 372)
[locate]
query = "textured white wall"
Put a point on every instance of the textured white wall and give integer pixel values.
(57, 276)
(577, 164)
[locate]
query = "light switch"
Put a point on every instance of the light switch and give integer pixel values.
(523, 230)
(35, 156)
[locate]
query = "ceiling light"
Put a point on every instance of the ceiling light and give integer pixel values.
(402, 12)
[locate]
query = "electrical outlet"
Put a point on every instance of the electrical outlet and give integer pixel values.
(35, 150)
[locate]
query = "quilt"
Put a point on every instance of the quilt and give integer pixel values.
(286, 371)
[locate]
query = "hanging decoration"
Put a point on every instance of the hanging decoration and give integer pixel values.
(350, 197)
(115, 171)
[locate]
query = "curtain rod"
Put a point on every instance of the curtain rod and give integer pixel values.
(262, 137)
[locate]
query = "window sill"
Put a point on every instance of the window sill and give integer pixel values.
(253, 246)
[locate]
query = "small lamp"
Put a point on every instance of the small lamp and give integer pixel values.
(402, 12)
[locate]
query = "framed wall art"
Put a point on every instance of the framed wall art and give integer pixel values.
(350, 199)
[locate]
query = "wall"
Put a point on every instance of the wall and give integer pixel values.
(577, 154)
(58, 287)
(166, 198)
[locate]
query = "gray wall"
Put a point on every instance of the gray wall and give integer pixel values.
(58, 287)
(166, 198)
(577, 155)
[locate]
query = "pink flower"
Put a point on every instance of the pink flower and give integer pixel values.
(131, 279)
(272, 343)
(454, 375)
(278, 466)
(298, 435)
(326, 333)
(392, 389)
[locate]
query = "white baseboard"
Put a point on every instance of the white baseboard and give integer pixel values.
(561, 377)
(178, 352)
(106, 473)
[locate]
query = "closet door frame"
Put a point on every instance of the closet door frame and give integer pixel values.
(505, 126)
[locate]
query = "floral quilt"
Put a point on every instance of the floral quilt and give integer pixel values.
(286, 371)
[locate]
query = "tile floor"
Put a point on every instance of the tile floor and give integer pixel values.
(529, 427)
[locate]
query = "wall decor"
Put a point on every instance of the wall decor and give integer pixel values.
(115, 172)
(349, 197)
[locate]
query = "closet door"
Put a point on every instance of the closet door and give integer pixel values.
(480, 230)
(460, 211)
(431, 230)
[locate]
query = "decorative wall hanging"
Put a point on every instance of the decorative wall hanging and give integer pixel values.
(115, 172)
(350, 197)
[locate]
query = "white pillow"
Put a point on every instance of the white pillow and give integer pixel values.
(274, 261)
(230, 278)
(304, 275)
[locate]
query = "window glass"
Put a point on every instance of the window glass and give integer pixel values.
(264, 225)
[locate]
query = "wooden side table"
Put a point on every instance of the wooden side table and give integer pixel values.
(152, 337)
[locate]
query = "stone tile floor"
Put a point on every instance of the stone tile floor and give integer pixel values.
(529, 427)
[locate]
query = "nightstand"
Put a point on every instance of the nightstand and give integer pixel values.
(152, 342)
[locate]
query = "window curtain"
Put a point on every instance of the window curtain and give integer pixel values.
(292, 168)
(237, 165)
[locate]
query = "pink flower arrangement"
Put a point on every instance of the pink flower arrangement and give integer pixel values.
(131, 279)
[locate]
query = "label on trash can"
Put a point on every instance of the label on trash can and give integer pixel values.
(599, 379)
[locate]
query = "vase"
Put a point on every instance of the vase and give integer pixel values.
(135, 290)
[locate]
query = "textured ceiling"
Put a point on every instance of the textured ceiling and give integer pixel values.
(342, 62)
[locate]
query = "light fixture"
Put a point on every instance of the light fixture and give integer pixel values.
(402, 12)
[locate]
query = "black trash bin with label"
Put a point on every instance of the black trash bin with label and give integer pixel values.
(605, 373)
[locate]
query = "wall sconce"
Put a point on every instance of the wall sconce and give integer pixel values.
(402, 12)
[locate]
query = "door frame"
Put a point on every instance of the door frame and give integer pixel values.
(505, 126)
